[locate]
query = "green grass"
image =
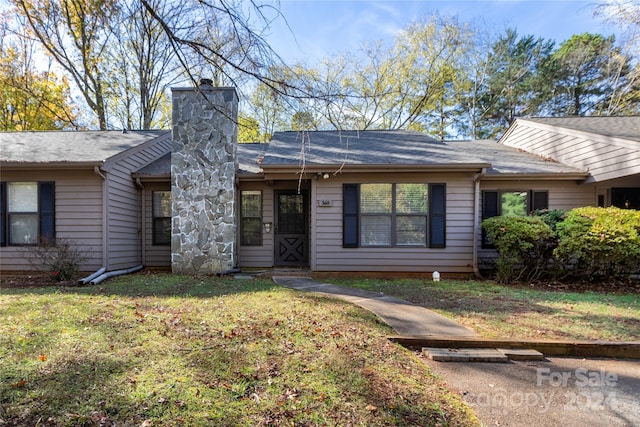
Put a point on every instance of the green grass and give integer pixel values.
(499, 311)
(170, 350)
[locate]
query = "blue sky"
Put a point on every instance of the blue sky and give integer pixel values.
(321, 28)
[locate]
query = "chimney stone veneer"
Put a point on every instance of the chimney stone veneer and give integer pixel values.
(203, 168)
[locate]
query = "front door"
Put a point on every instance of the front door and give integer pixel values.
(291, 228)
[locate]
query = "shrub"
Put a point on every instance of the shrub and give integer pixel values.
(598, 242)
(524, 245)
(59, 258)
(551, 217)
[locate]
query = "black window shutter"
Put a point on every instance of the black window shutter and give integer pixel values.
(3, 214)
(47, 207)
(437, 217)
(350, 212)
(539, 200)
(490, 208)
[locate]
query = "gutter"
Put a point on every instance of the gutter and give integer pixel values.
(370, 167)
(476, 220)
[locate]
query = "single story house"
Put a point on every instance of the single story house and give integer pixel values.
(195, 201)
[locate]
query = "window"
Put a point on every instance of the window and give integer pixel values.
(251, 218)
(626, 198)
(26, 212)
(394, 215)
(161, 218)
(496, 203)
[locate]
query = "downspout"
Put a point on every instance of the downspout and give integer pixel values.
(143, 222)
(105, 215)
(476, 220)
(104, 276)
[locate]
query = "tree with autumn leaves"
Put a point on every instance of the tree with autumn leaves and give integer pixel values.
(440, 75)
(30, 99)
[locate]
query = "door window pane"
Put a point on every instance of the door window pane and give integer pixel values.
(291, 214)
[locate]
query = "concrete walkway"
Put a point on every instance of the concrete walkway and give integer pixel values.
(405, 318)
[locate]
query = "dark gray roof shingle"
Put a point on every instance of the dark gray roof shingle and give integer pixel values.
(249, 156)
(374, 147)
(509, 160)
(70, 146)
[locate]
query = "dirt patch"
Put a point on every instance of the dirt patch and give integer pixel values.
(33, 281)
(605, 286)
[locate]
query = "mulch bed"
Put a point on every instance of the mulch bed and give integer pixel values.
(33, 281)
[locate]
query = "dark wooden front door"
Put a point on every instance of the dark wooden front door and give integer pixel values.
(291, 228)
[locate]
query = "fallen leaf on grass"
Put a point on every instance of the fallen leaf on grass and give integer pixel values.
(371, 408)
(19, 384)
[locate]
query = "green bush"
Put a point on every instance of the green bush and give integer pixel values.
(599, 242)
(551, 217)
(524, 245)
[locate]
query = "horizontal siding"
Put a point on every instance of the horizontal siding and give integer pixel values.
(154, 256)
(329, 255)
(259, 256)
(124, 199)
(604, 160)
(78, 216)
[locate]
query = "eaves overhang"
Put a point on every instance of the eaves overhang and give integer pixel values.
(13, 166)
(569, 176)
(270, 170)
(162, 177)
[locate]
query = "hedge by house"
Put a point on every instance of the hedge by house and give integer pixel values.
(583, 243)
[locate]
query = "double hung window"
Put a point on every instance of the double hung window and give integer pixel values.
(394, 215)
(26, 212)
(161, 218)
(251, 218)
(497, 203)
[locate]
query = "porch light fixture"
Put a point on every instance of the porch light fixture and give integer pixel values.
(267, 227)
(323, 175)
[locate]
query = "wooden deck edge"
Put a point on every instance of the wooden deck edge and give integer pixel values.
(608, 349)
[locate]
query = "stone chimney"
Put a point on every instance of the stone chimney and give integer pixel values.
(203, 190)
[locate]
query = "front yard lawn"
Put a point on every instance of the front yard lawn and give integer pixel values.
(156, 350)
(501, 311)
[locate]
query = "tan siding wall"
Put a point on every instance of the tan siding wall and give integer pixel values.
(603, 159)
(259, 256)
(326, 235)
(124, 219)
(562, 195)
(78, 216)
(154, 256)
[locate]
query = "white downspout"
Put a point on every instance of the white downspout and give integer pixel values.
(477, 203)
(105, 215)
